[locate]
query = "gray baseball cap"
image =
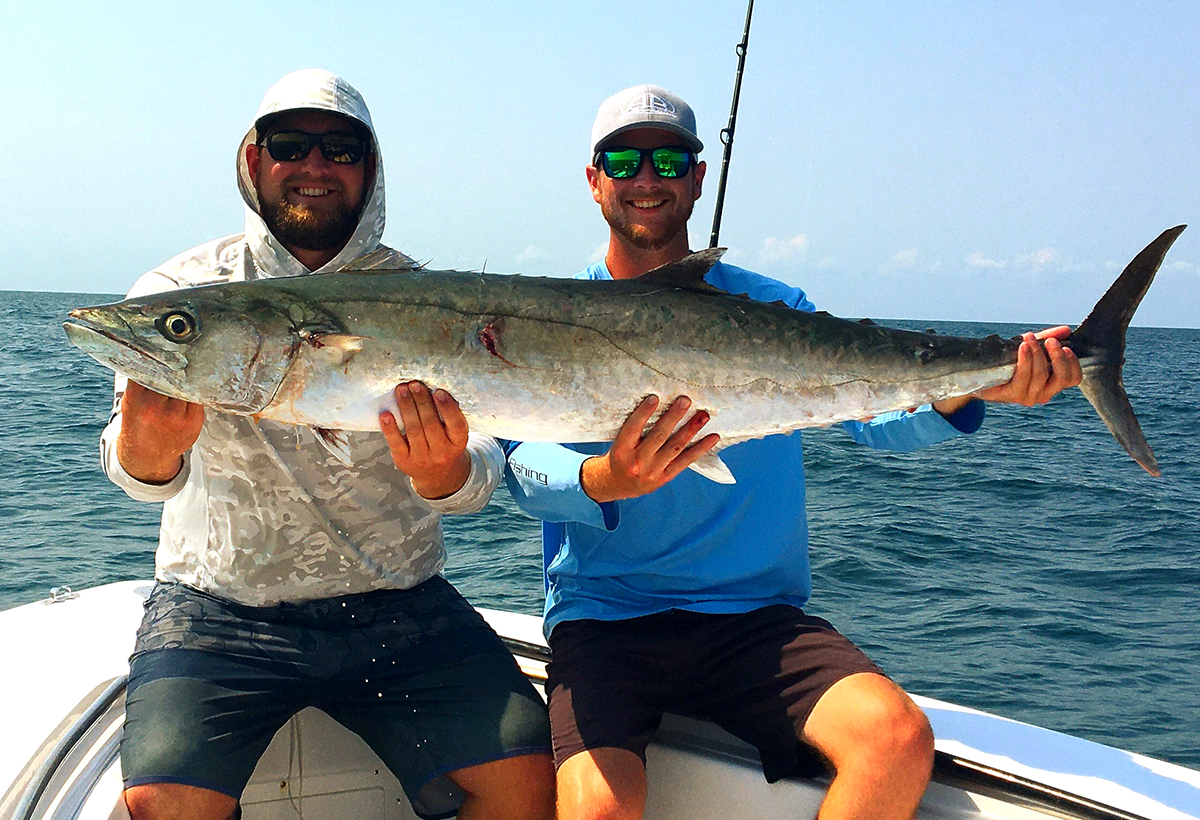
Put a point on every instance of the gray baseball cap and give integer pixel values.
(645, 106)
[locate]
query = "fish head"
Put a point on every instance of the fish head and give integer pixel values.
(209, 345)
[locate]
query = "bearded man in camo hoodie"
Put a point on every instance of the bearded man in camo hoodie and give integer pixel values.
(287, 579)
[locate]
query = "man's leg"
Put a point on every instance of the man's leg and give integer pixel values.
(609, 684)
(204, 699)
(174, 801)
(433, 690)
(783, 680)
(515, 788)
(880, 744)
(602, 784)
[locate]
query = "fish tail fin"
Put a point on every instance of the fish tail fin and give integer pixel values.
(1101, 338)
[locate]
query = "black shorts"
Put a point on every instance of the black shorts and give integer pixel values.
(757, 675)
(417, 673)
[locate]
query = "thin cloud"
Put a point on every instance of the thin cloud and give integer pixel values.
(784, 250)
(901, 260)
(531, 254)
(978, 260)
(1039, 259)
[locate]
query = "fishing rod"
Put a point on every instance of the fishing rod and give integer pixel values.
(727, 131)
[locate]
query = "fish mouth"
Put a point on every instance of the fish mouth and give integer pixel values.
(97, 337)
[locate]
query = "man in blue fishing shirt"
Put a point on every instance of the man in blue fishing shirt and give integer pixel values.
(669, 592)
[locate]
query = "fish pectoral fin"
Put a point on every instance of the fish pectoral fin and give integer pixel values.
(343, 345)
(711, 467)
(335, 443)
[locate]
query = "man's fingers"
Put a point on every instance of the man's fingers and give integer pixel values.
(431, 422)
(395, 439)
(193, 417)
(690, 456)
(164, 414)
(434, 426)
(1022, 375)
(457, 429)
(1061, 332)
(682, 438)
(654, 440)
(410, 416)
(631, 431)
(1065, 370)
(1039, 373)
(641, 460)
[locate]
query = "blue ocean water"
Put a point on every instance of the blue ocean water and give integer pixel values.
(1031, 570)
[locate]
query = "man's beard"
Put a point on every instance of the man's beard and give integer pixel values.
(297, 226)
(640, 236)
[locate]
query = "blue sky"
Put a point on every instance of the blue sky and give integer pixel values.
(937, 160)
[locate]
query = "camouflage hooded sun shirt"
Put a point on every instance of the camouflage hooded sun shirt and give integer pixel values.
(261, 513)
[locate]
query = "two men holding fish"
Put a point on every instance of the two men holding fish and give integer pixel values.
(671, 592)
(286, 578)
(667, 591)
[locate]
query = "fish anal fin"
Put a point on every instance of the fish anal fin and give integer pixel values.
(713, 468)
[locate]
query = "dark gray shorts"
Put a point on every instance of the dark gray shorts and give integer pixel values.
(416, 673)
(757, 675)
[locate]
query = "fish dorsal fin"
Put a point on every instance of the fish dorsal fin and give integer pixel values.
(688, 272)
(381, 259)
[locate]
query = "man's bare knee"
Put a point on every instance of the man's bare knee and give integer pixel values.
(520, 787)
(868, 719)
(175, 801)
(602, 784)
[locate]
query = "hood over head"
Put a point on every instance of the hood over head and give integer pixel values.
(311, 88)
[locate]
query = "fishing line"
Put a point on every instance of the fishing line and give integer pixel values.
(296, 759)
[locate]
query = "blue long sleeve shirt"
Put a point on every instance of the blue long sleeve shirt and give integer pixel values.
(693, 544)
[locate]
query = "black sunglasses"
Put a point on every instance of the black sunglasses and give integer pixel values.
(293, 146)
(669, 162)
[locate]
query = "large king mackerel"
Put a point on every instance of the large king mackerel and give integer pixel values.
(544, 359)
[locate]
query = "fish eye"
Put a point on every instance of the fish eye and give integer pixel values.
(178, 326)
